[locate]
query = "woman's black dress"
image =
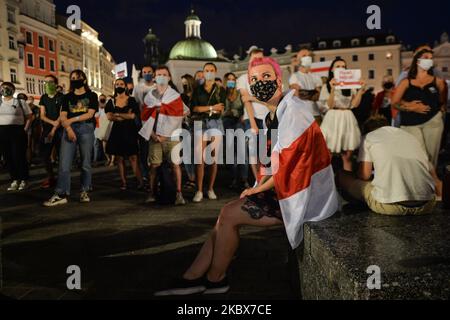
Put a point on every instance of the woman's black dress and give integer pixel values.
(123, 140)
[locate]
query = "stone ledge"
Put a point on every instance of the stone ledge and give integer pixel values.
(413, 254)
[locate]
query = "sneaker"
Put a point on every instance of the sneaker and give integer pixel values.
(216, 287)
(180, 200)
(14, 186)
(198, 197)
(84, 197)
(150, 199)
(54, 201)
(22, 186)
(212, 195)
(183, 287)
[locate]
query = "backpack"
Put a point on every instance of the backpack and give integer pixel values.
(167, 191)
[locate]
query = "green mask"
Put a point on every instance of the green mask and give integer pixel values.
(50, 88)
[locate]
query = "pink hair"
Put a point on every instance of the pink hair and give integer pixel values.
(269, 61)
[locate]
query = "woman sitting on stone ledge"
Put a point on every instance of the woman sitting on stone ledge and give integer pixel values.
(405, 182)
(297, 187)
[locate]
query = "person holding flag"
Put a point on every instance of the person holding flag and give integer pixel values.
(296, 188)
(166, 112)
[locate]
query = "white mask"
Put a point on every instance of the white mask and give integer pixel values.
(307, 62)
(210, 76)
(426, 64)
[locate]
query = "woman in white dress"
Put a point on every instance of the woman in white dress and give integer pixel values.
(339, 126)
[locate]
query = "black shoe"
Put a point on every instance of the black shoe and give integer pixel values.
(183, 287)
(216, 287)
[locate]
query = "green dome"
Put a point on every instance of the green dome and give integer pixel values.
(193, 48)
(193, 17)
(150, 37)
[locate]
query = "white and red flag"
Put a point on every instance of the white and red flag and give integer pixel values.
(302, 171)
(166, 113)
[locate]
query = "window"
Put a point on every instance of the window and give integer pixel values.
(63, 68)
(444, 69)
(62, 46)
(370, 41)
(355, 58)
(322, 59)
(29, 38)
(52, 65)
(21, 52)
(41, 42)
(337, 44)
(13, 75)
(12, 43)
(355, 42)
(390, 72)
(11, 15)
(390, 39)
(371, 56)
(371, 74)
(42, 63)
(51, 45)
(338, 57)
(389, 55)
(322, 45)
(30, 60)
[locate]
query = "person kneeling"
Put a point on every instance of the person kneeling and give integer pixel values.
(405, 182)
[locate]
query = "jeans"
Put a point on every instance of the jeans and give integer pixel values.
(98, 152)
(13, 146)
(85, 141)
(235, 124)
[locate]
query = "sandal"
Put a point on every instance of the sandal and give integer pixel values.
(190, 185)
(123, 187)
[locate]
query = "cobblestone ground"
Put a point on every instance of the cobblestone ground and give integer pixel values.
(126, 249)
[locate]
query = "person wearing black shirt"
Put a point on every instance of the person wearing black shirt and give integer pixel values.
(208, 103)
(50, 107)
(77, 118)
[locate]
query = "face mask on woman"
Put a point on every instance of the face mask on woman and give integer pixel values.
(120, 90)
(210, 76)
(426, 64)
(162, 80)
(77, 84)
(264, 90)
(7, 92)
(388, 85)
(231, 84)
(201, 82)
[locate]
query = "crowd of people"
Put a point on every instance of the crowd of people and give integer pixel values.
(387, 154)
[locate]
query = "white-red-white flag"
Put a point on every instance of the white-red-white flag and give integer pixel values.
(302, 171)
(168, 119)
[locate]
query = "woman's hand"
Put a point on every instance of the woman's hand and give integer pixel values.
(333, 83)
(249, 192)
(418, 107)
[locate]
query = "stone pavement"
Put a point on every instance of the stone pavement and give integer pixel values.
(126, 249)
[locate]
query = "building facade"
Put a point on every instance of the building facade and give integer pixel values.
(11, 69)
(37, 25)
(91, 56)
(70, 52)
(107, 72)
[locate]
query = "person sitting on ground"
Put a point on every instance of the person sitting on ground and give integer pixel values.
(405, 182)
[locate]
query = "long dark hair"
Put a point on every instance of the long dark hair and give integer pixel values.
(81, 75)
(126, 89)
(414, 68)
(190, 83)
(231, 93)
(345, 92)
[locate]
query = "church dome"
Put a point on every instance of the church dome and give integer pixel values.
(193, 48)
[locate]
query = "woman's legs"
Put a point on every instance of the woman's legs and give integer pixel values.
(121, 167)
(134, 161)
(218, 251)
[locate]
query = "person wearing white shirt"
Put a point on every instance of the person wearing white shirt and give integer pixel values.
(307, 86)
(404, 183)
(254, 113)
(15, 119)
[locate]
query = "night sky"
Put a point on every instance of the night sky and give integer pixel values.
(230, 24)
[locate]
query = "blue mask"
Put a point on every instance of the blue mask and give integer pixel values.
(162, 80)
(231, 84)
(148, 77)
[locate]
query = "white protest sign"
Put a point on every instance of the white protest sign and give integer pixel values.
(321, 69)
(121, 70)
(348, 79)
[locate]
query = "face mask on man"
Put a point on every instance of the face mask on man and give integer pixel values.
(102, 101)
(426, 64)
(306, 62)
(162, 80)
(77, 84)
(210, 76)
(148, 77)
(50, 88)
(6, 92)
(264, 90)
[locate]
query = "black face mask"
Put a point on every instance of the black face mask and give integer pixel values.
(388, 85)
(77, 84)
(264, 90)
(120, 90)
(103, 101)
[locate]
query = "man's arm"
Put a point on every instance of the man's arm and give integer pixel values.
(365, 171)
